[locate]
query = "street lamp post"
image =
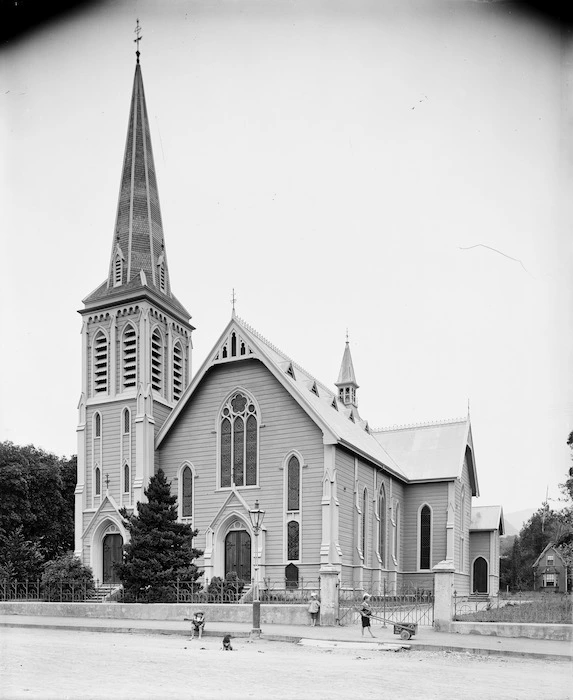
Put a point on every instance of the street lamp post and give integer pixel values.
(257, 516)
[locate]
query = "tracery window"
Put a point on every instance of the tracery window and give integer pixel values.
(100, 363)
(129, 359)
(238, 442)
(425, 536)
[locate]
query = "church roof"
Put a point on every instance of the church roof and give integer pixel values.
(487, 518)
(346, 374)
(339, 424)
(138, 244)
(429, 450)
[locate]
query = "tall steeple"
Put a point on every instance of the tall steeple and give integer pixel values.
(138, 257)
(346, 383)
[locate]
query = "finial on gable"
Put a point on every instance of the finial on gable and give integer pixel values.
(138, 38)
(233, 300)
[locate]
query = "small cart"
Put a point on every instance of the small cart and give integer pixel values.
(404, 629)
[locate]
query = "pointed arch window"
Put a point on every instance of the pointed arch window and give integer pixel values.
(129, 356)
(396, 543)
(425, 537)
(126, 421)
(293, 540)
(100, 363)
(177, 370)
(382, 525)
(293, 484)
(117, 270)
(157, 361)
(187, 493)
(97, 425)
(126, 478)
(97, 481)
(364, 523)
(238, 442)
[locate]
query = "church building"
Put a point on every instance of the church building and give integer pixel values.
(373, 507)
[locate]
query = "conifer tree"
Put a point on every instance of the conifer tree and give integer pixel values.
(160, 549)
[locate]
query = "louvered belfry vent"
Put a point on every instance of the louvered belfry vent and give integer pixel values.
(129, 357)
(100, 363)
(156, 361)
(177, 371)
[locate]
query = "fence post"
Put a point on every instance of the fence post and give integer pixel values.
(328, 595)
(443, 594)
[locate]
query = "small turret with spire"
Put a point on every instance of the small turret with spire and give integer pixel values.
(346, 383)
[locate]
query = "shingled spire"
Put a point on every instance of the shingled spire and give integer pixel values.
(138, 257)
(346, 383)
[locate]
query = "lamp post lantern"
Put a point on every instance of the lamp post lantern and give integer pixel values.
(256, 516)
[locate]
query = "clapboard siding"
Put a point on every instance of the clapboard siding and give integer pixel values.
(346, 509)
(284, 427)
(479, 546)
(462, 538)
(436, 496)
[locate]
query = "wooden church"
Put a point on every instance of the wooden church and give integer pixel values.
(371, 507)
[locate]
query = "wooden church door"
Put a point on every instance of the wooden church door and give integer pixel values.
(112, 554)
(238, 554)
(480, 575)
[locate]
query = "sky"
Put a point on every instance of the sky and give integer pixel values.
(394, 170)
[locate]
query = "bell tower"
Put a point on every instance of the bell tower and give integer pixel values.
(136, 349)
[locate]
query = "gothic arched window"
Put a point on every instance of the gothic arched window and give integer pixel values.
(293, 484)
(100, 363)
(396, 530)
(126, 478)
(177, 371)
(364, 523)
(293, 540)
(157, 361)
(382, 525)
(238, 441)
(129, 356)
(97, 425)
(187, 493)
(97, 481)
(425, 536)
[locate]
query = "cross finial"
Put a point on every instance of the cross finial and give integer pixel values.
(347, 335)
(233, 300)
(138, 38)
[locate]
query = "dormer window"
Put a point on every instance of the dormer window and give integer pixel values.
(290, 371)
(117, 271)
(315, 389)
(162, 277)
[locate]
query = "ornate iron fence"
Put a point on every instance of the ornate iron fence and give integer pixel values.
(406, 604)
(63, 591)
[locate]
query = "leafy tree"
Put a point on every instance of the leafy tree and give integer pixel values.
(20, 558)
(38, 496)
(68, 575)
(227, 589)
(160, 549)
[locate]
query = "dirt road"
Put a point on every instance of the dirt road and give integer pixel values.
(61, 664)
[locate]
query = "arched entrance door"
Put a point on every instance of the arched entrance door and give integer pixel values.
(480, 575)
(112, 554)
(238, 554)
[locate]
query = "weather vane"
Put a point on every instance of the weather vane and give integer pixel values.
(233, 300)
(138, 38)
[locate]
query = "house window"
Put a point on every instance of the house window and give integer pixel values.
(187, 493)
(157, 361)
(129, 357)
(100, 363)
(550, 560)
(293, 484)
(177, 371)
(549, 580)
(381, 525)
(293, 540)
(425, 537)
(126, 478)
(238, 442)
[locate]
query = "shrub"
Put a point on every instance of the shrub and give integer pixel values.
(66, 578)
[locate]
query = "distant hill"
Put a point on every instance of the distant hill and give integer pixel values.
(516, 520)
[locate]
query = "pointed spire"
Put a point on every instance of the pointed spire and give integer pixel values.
(346, 383)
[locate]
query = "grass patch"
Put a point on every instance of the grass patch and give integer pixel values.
(551, 609)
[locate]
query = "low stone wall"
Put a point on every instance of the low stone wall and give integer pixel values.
(510, 629)
(270, 614)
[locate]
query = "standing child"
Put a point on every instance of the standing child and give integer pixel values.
(198, 621)
(313, 609)
(366, 614)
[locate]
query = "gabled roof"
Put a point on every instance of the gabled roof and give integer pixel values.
(487, 518)
(239, 342)
(551, 545)
(431, 450)
(138, 240)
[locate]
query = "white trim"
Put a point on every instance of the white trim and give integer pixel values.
(419, 535)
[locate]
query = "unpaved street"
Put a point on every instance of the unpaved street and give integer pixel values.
(66, 664)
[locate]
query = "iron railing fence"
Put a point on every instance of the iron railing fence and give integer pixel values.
(282, 591)
(61, 591)
(520, 607)
(412, 604)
